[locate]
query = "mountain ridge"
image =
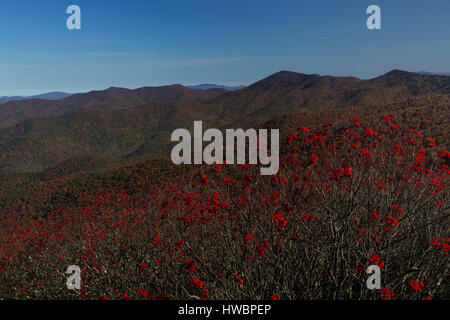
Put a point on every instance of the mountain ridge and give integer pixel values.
(54, 95)
(207, 86)
(290, 90)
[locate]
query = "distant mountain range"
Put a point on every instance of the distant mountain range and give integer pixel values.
(436, 74)
(207, 86)
(132, 124)
(56, 95)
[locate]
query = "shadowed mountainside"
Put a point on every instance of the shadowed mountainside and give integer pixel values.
(286, 91)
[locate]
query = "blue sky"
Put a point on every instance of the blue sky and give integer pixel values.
(150, 43)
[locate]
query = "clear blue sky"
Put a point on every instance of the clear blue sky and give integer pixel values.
(148, 43)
